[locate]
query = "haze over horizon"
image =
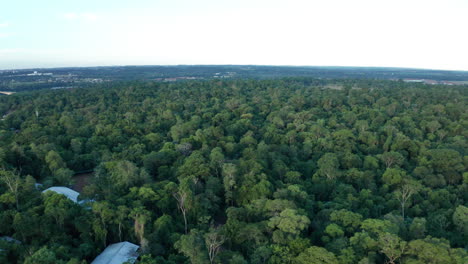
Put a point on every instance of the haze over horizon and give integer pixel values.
(363, 33)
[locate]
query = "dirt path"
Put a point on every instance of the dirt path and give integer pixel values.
(81, 180)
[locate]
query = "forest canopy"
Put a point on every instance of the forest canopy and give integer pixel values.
(295, 170)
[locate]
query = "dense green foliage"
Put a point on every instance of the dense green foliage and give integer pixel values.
(273, 171)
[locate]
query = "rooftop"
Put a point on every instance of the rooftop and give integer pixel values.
(10, 239)
(118, 253)
(69, 193)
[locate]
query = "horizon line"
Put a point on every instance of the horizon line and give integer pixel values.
(257, 65)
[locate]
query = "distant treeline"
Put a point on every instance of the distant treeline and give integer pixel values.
(19, 81)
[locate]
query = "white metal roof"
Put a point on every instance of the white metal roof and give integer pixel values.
(118, 253)
(69, 193)
(10, 239)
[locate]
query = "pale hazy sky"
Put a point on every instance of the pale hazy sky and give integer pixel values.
(395, 33)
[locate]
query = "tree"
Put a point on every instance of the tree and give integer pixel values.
(229, 171)
(347, 219)
(392, 158)
(328, 166)
(12, 180)
(432, 251)
(140, 217)
(57, 206)
(417, 229)
(460, 219)
(213, 240)
(316, 255)
(261, 255)
(404, 193)
(334, 230)
(191, 245)
(393, 176)
(2, 157)
(293, 177)
(183, 197)
(289, 224)
(54, 161)
(194, 167)
(63, 176)
(447, 162)
(216, 160)
(392, 246)
(119, 176)
(104, 216)
(377, 227)
(164, 227)
(121, 216)
(43, 256)
(25, 224)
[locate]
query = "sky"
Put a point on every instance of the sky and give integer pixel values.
(383, 33)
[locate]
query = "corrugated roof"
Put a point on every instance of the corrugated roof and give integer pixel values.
(69, 193)
(118, 253)
(10, 239)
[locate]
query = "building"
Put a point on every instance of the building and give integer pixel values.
(413, 80)
(118, 253)
(10, 240)
(69, 193)
(35, 73)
